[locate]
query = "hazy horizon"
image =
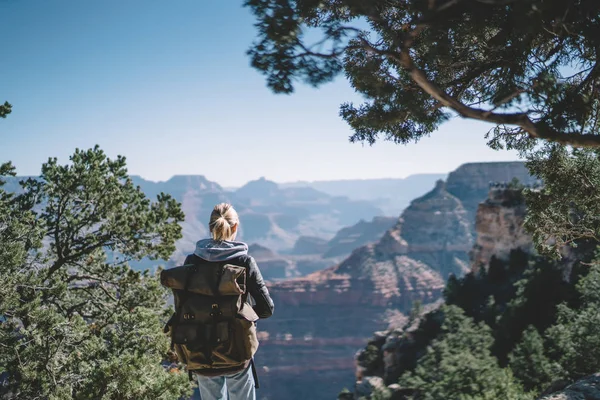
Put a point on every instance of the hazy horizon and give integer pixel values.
(168, 85)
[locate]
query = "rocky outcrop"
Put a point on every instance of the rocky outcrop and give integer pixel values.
(307, 245)
(324, 317)
(355, 236)
(470, 182)
(274, 266)
(436, 231)
(331, 311)
(500, 228)
(364, 279)
(587, 388)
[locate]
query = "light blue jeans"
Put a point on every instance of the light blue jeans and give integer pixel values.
(239, 385)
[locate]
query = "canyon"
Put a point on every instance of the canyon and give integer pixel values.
(308, 347)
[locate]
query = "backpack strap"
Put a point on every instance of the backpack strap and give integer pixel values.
(254, 374)
(215, 311)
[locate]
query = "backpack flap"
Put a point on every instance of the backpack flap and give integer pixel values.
(233, 280)
(190, 278)
(230, 280)
(248, 313)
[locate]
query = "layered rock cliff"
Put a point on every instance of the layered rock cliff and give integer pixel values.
(323, 318)
(436, 231)
(355, 236)
(326, 315)
(470, 182)
(499, 229)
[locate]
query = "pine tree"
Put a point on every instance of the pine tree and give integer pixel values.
(5, 109)
(458, 365)
(418, 63)
(575, 338)
(529, 362)
(78, 322)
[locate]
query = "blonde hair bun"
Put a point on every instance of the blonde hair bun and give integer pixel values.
(222, 220)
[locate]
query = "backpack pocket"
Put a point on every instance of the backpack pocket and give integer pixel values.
(246, 331)
(185, 333)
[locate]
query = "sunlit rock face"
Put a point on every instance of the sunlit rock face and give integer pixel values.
(499, 223)
(437, 232)
(470, 182)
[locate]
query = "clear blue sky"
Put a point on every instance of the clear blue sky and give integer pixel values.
(168, 85)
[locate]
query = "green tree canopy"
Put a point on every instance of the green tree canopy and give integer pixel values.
(575, 338)
(566, 211)
(5, 109)
(527, 66)
(458, 365)
(529, 363)
(78, 322)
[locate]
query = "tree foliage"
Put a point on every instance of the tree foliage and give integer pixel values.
(5, 109)
(529, 362)
(79, 324)
(575, 338)
(565, 212)
(527, 66)
(459, 365)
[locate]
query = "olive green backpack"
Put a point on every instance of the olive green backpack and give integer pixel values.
(213, 326)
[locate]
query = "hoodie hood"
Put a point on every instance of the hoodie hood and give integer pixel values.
(212, 250)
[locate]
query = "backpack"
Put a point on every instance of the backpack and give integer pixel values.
(213, 326)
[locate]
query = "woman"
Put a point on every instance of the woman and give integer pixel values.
(223, 225)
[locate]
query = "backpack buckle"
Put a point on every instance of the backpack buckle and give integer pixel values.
(215, 310)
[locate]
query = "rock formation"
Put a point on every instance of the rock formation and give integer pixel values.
(470, 182)
(587, 388)
(355, 236)
(274, 266)
(324, 317)
(500, 228)
(437, 232)
(309, 245)
(325, 314)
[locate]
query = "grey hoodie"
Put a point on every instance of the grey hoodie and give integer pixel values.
(212, 250)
